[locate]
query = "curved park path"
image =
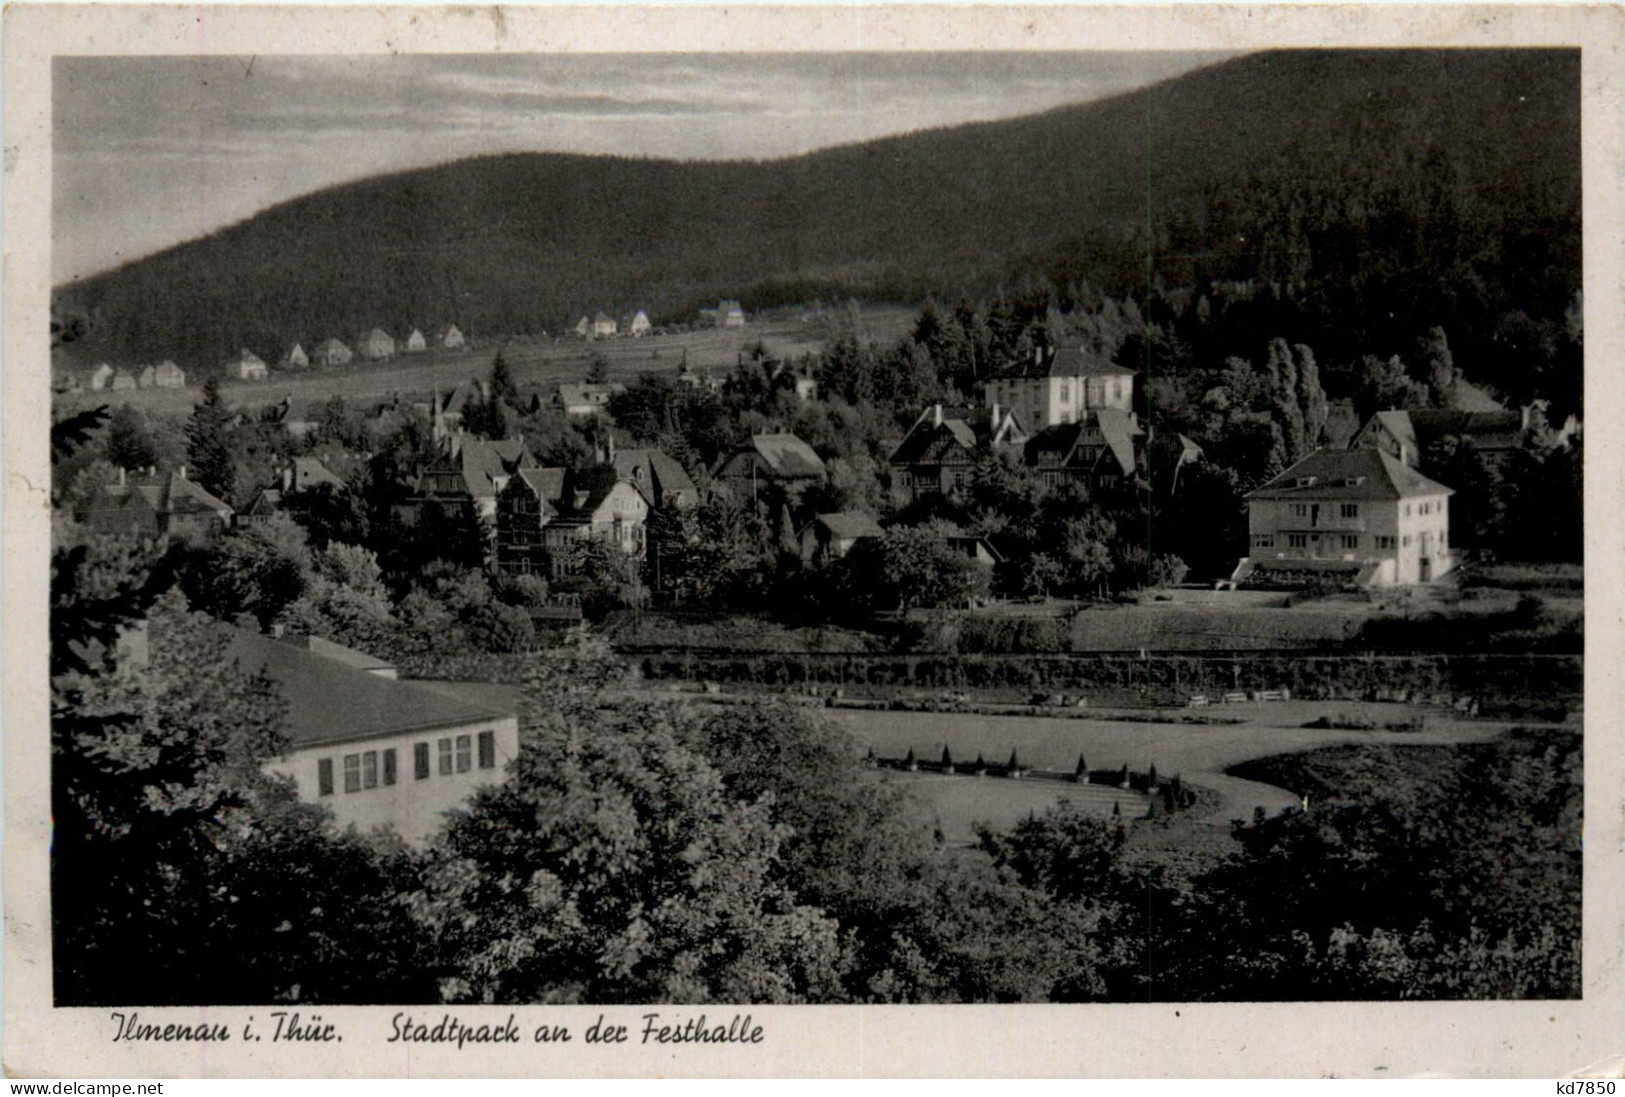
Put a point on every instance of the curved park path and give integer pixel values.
(1199, 754)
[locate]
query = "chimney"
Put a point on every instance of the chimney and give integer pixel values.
(1038, 354)
(936, 415)
(182, 471)
(121, 476)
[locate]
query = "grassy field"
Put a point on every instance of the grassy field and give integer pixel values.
(538, 363)
(1200, 755)
(959, 803)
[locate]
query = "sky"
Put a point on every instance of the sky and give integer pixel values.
(152, 151)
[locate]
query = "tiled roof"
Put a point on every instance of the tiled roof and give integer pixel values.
(848, 525)
(330, 703)
(1065, 362)
(655, 474)
(1061, 446)
(1351, 474)
(788, 455)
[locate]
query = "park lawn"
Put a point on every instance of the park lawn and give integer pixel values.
(959, 803)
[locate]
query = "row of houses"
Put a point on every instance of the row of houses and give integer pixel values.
(604, 326)
(163, 375)
(376, 345)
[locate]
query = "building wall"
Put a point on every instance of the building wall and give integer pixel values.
(1398, 533)
(412, 805)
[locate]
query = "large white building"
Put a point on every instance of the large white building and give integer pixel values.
(1355, 516)
(1059, 386)
(380, 752)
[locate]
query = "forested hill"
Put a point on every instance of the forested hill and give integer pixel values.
(1329, 172)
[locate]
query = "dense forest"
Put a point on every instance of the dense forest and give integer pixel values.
(1352, 199)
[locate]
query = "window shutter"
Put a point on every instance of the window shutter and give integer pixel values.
(324, 777)
(389, 766)
(488, 750)
(420, 761)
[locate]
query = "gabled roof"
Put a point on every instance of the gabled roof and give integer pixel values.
(1064, 362)
(547, 483)
(309, 471)
(1063, 446)
(848, 525)
(584, 491)
(340, 653)
(655, 474)
(1496, 429)
(1397, 424)
(330, 703)
(245, 356)
(603, 318)
(787, 455)
(375, 335)
(482, 461)
(574, 394)
(331, 345)
(1349, 474)
(166, 493)
(956, 439)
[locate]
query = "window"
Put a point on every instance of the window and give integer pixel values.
(389, 766)
(465, 753)
(1349, 510)
(1263, 540)
(1297, 540)
(1066, 392)
(420, 761)
(1384, 542)
(352, 773)
(445, 757)
(1351, 540)
(488, 750)
(959, 478)
(1407, 510)
(324, 777)
(1300, 510)
(1424, 508)
(369, 769)
(1406, 540)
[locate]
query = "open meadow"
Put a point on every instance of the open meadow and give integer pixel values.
(537, 363)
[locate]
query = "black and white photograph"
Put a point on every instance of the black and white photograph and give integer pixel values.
(705, 530)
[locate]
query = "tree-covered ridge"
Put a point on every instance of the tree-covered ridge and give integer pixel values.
(1365, 195)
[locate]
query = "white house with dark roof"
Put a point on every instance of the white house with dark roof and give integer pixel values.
(376, 751)
(603, 326)
(1057, 386)
(415, 343)
(639, 324)
(1358, 517)
(296, 358)
(582, 400)
(101, 376)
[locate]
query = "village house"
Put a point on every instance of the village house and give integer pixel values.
(446, 413)
(639, 324)
(449, 338)
(415, 343)
(304, 474)
(101, 377)
(124, 381)
(295, 359)
(583, 328)
(245, 365)
(973, 547)
(147, 378)
(831, 536)
(603, 326)
(941, 449)
(1101, 450)
(1356, 517)
(585, 399)
(1057, 386)
(376, 751)
(596, 504)
(467, 476)
(525, 505)
(157, 506)
(167, 375)
(780, 460)
(376, 345)
(331, 352)
(663, 481)
(729, 314)
(64, 380)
